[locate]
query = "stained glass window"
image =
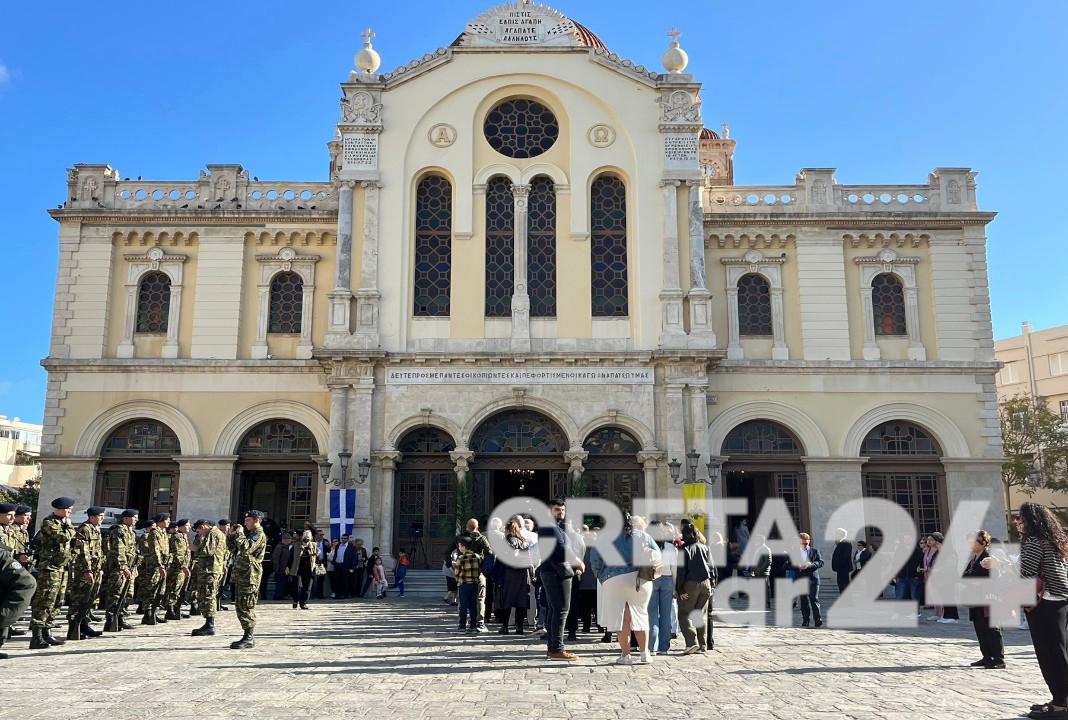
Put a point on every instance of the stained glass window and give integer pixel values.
(433, 247)
(500, 247)
(917, 492)
(142, 437)
(519, 431)
(608, 240)
(153, 303)
(611, 441)
(888, 305)
(754, 305)
(426, 440)
(279, 437)
(521, 128)
(899, 438)
(287, 302)
(760, 437)
(541, 247)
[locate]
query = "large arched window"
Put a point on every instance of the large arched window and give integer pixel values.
(519, 431)
(287, 303)
(433, 247)
(141, 437)
(541, 247)
(904, 466)
(888, 305)
(765, 462)
(153, 303)
(754, 305)
(500, 247)
(608, 246)
(137, 468)
(278, 437)
(612, 470)
(761, 437)
(426, 440)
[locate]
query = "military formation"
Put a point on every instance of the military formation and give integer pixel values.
(154, 563)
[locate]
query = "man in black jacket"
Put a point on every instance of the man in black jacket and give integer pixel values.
(809, 567)
(842, 559)
(556, 573)
(16, 590)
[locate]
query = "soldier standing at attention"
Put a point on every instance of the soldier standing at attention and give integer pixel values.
(154, 562)
(209, 565)
(20, 534)
(56, 534)
(121, 565)
(85, 575)
(7, 517)
(194, 577)
(249, 543)
(178, 569)
(225, 526)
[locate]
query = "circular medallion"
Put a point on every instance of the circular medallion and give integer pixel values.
(601, 135)
(442, 135)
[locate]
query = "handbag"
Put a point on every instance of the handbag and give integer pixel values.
(652, 568)
(319, 570)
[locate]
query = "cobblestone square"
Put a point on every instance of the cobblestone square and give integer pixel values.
(402, 658)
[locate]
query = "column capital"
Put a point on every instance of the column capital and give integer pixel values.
(520, 190)
(651, 459)
(387, 459)
(670, 183)
(461, 460)
(369, 183)
(348, 184)
(576, 459)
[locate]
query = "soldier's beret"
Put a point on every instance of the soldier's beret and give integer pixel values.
(63, 503)
(23, 510)
(161, 517)
(254, 514)
(6, 508)
(180, 523)
(130, 513)
(95, 510)
(199, 524)
(224, 521)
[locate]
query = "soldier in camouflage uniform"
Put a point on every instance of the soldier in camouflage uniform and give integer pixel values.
(120, 565)
(249, 544)
(56, 535)
(154, 560)
(209, 564)
(20, 535)
(7, 516)
(178, 569)
(86, 575)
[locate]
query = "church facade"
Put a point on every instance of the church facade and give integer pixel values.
(530, 272)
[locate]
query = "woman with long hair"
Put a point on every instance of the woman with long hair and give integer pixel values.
(302, 567)
(516, 578)
(990, 641)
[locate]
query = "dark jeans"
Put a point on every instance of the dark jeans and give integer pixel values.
(1048, 623)
(557, 592)
(843, 580)
(468, 601)
(357, 579)
(949, 612)
(339, 583)
(990, 642)
(810, 604)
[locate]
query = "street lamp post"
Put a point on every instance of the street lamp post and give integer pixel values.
(693, 461)
(344, 457)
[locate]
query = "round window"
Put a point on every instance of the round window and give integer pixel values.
(521, 128)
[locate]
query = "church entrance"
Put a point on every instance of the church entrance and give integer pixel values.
(275, 473)
(137, 468)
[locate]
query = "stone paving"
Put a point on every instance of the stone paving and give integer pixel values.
(402, 658)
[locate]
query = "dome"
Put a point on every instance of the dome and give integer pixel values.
(707, 134)
(539, 26)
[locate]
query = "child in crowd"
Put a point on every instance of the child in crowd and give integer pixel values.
(401, 571)
(450, 578)
(467, 568)
(381, 584)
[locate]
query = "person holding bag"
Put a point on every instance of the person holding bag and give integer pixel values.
(303, 565)
(991, 643)
(694, 583)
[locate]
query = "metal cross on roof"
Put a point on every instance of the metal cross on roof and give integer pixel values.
(367, 35)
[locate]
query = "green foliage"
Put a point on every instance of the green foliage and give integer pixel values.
(580, 486)
(463, 504)
(25, 495)
(1035, 445)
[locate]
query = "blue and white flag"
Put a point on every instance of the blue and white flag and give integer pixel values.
(342, 512)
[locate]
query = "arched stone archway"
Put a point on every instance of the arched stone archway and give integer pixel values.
(92, 438)
(138, 468)
(276, 473)
(424, 496)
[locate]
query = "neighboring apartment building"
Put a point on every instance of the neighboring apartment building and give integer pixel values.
(20, 452)
(529, 261)
(1036, 365)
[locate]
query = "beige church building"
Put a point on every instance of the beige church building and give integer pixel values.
(529, 272)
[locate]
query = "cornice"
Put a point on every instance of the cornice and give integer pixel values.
(838, 221)
(179, 365)
(206, 217)
(815, 367)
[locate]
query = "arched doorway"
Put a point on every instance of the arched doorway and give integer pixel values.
(424, 521)
(765, 462)
(137, 468)
(518, 453)
(611, 470)
(275, 473)
(905, 466)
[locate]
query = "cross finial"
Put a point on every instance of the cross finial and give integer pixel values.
(674, 35)
(726, 131)
(367, 35)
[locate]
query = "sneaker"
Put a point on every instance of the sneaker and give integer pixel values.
(645, 658)
(482, 629)
(948, 621)
(995, 665)
(624, 660)
(692, 650)
(932, 617)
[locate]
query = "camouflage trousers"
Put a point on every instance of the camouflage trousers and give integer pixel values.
(83, 593)
(114, 585)
(51, 587)
(247, 595)
(152, 585)
(206, 589)
(175, 587)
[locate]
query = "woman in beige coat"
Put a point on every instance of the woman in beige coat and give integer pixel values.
(302, 563)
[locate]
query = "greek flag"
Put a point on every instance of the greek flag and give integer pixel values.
(342, 512)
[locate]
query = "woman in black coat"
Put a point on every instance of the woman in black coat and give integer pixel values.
(990, 641)
(516, 576)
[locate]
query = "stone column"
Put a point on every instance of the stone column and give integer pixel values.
(170, 345)
(73, 477)
(387, 465)
(126, 345)
(779, 351)
(368, 297)
(701, 333)
(912, 323)
(259, 347)
(672, 333)
(205, 486)
(977, 479)
(360, 433)
(675, 423)
(339, 410)
(520, 296)
(871, 348)
(650, 460)
(341, 295)
(734, 339)
(831, 481)
(461, 460)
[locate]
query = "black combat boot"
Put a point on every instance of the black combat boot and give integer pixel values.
(111, 623)
(193, 610)
(46, 633)
(93, 617)
(74, 627)
(150, 616)
(208, 628)
(87, 629)
(15, 632)
(246, 641)
(37, 641)
(172, 614)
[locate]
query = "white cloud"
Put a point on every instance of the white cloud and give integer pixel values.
(5, 74)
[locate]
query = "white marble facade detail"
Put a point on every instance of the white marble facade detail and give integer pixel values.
(888, 261)
(770, 268)
(286, 260)
(156, 259)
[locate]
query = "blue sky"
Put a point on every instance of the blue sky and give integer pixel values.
(884, 92)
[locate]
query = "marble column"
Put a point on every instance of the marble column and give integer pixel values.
(871, 348)
(701, 333)
(341, 295)
(359, 423)
(387, 465)
(672, 333)
(831, 482)
(461, 460)
(205, 486)
(520, 296)
(339, 422)
(650, 460)
(368, 296)
(676, 422)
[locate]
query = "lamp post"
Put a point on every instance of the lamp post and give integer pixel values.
(693, 461)
(344, 457)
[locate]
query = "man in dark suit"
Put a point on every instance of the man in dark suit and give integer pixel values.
(809, 567)
(556, 573)
(842, 559)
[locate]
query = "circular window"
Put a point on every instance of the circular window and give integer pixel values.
(520, 128)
